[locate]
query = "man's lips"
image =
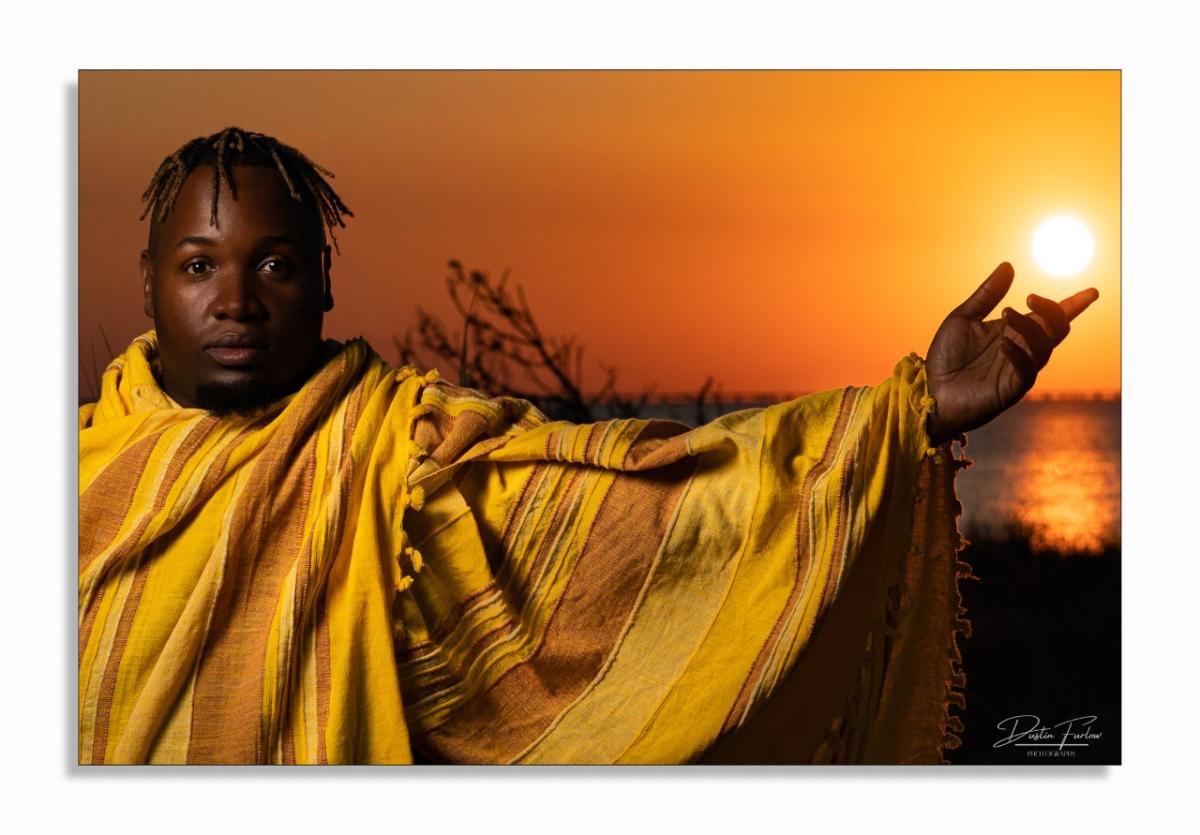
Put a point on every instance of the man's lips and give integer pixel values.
(236, 356)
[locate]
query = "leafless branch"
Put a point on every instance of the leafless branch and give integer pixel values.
(500, 349)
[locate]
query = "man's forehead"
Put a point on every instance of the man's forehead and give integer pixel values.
(251, 192)
(241, 181)
(263, 240)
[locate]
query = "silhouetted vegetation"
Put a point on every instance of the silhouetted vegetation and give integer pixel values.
(90, 390)
(501, 349)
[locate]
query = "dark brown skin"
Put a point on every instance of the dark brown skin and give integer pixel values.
(977, 369)
(261, 278)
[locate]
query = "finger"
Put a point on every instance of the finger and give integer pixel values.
(989, 294)
(1055, 318)
(1022, 365)
(1076, 304)
(1034, 335)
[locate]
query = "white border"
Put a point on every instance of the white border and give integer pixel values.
(1161, 177)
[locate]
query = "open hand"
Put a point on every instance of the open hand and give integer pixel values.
(977, 369)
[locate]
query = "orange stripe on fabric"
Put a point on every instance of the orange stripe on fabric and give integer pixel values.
(324, 655)
(289, 674)
(302, 575)
(592, 446)
(838, 553)
(94, 502)
(86, 623)
(109, 683)
(659, 442)
(289, 741)
(615, 559)
(521, 505)
(563, 510)
(263, 544)
(324, 676)
(265, 540)
(216, 470)
(460, 660)
(106, 503)
(463, 430)
(448, 623)
(321, 611)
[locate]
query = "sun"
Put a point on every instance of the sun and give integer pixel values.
(1062, 245)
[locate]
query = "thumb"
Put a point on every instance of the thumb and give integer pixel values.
(988, 295)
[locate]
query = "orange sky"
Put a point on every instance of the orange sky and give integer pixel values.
(780, 231)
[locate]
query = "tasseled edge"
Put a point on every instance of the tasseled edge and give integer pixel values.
(926, 408)
(959, 462)
(428, 378)
(955, 686)
(409, 560)
(934, 452)
(410, 563)
(956, 681)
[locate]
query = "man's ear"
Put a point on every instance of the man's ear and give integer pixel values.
(326, 263)
(147, 269)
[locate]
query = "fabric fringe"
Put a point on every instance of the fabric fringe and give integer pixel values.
(956, 681)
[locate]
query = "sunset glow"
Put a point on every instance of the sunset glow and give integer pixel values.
(780, 232)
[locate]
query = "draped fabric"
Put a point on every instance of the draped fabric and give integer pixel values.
(384, 566)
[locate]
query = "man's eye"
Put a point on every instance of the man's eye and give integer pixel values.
(195, 267)
(276, 265)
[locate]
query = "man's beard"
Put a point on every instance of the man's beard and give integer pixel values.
(241, 398)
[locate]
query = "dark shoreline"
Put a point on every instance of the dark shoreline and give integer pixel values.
(1046, 642)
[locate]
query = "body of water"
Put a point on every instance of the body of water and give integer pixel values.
(1052, 469)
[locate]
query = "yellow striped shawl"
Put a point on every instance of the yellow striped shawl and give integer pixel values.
(382, 566)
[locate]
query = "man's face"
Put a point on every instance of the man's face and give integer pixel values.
(238, 308)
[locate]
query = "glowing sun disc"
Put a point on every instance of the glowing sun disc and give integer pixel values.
(1062, 245)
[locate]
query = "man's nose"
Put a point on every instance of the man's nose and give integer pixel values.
(237, 297)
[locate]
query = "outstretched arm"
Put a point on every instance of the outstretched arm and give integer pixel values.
(978, 368)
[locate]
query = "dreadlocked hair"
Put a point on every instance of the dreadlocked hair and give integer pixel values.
(303, 177)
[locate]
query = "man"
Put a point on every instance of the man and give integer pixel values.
(291, 552)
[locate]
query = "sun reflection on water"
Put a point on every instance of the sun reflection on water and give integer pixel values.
(1052, 470)
(1063, 499)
